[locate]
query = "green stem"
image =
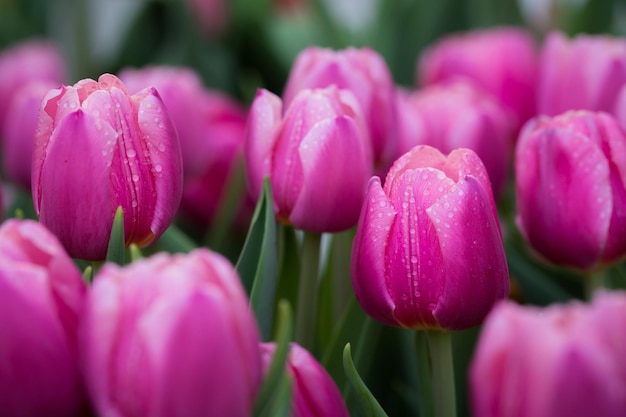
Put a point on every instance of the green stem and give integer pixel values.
(341, 248)
(440, 345)
(307, 290)
(595, 280)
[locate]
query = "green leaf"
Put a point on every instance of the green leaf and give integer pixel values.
(258, 262)
(88, 274)
(175, 241)
(117, 247)
(367, 403)
(274, 398)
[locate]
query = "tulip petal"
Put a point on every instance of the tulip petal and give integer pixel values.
(369, 278)
(71, 169)
(476, 273)
(570, 172)
(328, 183)
(263, 119)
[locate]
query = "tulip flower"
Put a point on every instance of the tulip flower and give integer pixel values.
(502, 61)
(212, 16)
(571, 188)
(458, 115)
(170, 335)
(316, 155)
(584, 73)
(562, 360)
(98, 148)
(314, 393)
(363, 72)
(31, 60)
(428, 251)
(41, 299)
(18, 133)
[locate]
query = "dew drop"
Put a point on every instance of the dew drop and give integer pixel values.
(131, 153)
(158, 168)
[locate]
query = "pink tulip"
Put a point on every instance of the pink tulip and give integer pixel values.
(585, 72)
(458, 115)
(32, 60)
(502, 61)
(316, 155)
(314, 393)
(41, 300)
(171, 335)
(571, 188)
(563, 360)
(428, 251)
(97, 148)
(363, 72)
(18, 132)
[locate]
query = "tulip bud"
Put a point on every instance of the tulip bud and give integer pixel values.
(571, 188)
(32, 60)
(428, 251)
(170, 335)
(563, 360)
(97, 148)
(305, 153)
(585, 72)
(41, 298)
(502, 61)
(458, 115)
(314, 393)
(363, 72)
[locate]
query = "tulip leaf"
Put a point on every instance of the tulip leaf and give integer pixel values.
(88, 274)
(175, 241)
(258, 262)
(274, 398)
(367, 403)
(117, 246)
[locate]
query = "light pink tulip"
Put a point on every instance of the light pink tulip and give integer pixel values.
(571, 188)
(583, 73)
(171, 335)
(31, 60)
(428, 251)
(314, 393)
(502, 61)
(458, 115)
(316, 155)
(41, 300)
(97, 148)
(563, 360)
(363, 72)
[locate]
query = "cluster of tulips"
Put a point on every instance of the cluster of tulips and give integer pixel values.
(416, 178)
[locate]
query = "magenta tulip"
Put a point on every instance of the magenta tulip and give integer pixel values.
(41, 300)
(97, 148)
(363, 72)
(31, 60)
(502, 61)
(458, 115)
(583, 73)
(316, 155)
(171, 335)
(563, 360)
(314, 393)
(571, 188)
(428, 251)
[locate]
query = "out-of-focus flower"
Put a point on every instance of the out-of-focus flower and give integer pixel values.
(41, 298)
(563, 360)
(571, 188)
(32, 60)
(170, 335)
(211, 129)
(363, 72)
(314, 393)
(428, 251)
(316, 155)
(458, 115)
(502, 61)
(212, 16)
(585, 72)
(97, 148)
(18, 131)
